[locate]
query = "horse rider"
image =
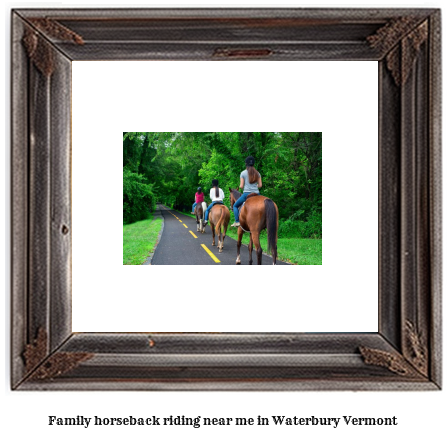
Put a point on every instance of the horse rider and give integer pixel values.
(200, 197)
(250, 181)
(217, 196)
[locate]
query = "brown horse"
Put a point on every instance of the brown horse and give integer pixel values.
(257, 213)
(219, 217)
(199, 211)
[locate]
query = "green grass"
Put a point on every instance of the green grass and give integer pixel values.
(290, 249)
(139, 240)
(300, 251)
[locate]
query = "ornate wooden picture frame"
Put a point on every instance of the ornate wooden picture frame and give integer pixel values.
(405, 353)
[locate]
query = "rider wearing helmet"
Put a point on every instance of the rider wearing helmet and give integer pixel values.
(200, 197)
(250, 181)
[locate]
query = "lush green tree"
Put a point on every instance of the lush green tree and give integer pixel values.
(138, 198)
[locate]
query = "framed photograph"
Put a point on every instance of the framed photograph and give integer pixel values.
(164, 171)
(51, 350)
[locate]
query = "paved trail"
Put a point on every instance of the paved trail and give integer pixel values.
(181, 244)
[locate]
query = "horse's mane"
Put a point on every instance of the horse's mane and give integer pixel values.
(236, 193)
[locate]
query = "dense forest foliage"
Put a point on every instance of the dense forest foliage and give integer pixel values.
(168, 167)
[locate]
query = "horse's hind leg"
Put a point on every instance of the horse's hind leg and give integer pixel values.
(223, 238)
(240, 232)
(250, 250)
(214, 236)
(202, 227)
(224, 233)
(257, 243)
(219, 239)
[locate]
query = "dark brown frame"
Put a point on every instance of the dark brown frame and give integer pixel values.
(405, 354)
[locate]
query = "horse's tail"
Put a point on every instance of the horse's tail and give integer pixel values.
(220, 222)
(271, 217)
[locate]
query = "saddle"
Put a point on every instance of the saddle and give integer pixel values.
(216, 203)
(249, 196)
(201, 204)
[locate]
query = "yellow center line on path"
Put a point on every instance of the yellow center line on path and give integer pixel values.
(184, 225)
(195, 237)
(210, 253)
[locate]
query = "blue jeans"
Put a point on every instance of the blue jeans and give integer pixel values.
(238, 203)
(193, 205)
(210, 207)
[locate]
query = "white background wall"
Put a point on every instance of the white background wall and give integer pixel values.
(339, 99)
(27, 413)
